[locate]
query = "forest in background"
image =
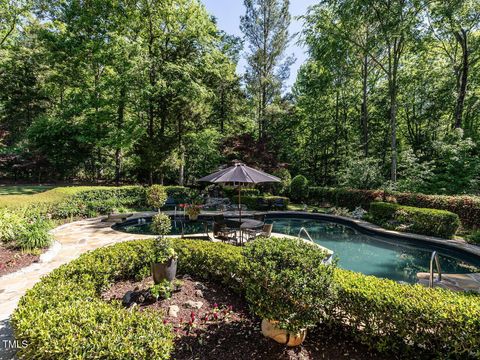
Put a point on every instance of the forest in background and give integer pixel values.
(147, 91)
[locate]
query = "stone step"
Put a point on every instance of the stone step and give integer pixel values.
(455, 282)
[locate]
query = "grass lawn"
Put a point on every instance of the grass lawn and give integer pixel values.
(300, 207)
(23, 189)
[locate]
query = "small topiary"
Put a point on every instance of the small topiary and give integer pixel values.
(288, 281)
(156, 196)
(162, 224)
(164, 250)
(299, 188)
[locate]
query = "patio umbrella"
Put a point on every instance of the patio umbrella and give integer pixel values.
(240, 175)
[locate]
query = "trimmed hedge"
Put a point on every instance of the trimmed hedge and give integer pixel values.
(25, 219)
(63, 316)
(430, 222)
(252, 202)
(466, 207)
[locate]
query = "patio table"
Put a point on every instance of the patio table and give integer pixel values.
(243, 224)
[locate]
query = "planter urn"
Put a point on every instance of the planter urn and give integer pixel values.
(193, 217)
(271, 330)
(164, 271)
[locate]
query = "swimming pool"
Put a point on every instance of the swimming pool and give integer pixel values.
(391, 258)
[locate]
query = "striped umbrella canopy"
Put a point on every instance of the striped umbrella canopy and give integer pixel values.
(239, 175)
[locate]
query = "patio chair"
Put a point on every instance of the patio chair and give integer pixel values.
(259, 217)
(266, 231)
(170, 203)
(279, 204)
(262, 204)
(221, 230)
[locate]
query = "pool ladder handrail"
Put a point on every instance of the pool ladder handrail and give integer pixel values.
(306, 232)
(439, 269)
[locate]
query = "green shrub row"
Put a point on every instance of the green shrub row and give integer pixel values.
(466, 207)
(25, 219)
(423, 221)
(265, 202)
(63, 317)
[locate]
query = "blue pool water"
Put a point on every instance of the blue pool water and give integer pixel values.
(372, 255)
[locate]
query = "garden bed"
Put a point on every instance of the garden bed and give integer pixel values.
(12, 259)
(223, 328)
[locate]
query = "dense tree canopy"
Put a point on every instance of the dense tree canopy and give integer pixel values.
(149, 91)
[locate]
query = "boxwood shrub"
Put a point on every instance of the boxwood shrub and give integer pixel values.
(286, 280)
(63, 317)
(431, 222)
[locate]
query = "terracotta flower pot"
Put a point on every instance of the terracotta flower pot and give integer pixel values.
(270, 329)
(164, 271)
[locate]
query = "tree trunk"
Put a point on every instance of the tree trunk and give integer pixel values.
(461, 37)
(364, 115)
(393, 126)
(120, 124)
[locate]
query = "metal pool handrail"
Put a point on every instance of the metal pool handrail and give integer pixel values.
(306, 232)
(439, 269)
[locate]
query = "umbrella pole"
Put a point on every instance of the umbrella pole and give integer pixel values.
(240, 211)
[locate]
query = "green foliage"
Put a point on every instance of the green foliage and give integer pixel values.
(27, 229)
(284, 187)
(164, 250)
(162, 224)
(63, 317)
(360, 173)
(407, 319)
(299, 188)
(181, 194)
(202, 153)
(162, 290)
(474, 237)
(431, 222)
(466, 207)
(156, 196)
(263, 202)
(414, 175)
(287, 281)
(383, 314)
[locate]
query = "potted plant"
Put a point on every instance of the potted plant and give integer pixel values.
(164, 264)
(193, 210)
(289, 285)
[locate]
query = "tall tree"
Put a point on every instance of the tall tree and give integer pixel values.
(265, 26)
(453, 23)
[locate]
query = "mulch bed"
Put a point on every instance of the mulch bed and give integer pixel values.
(224, 329)
(12, 259)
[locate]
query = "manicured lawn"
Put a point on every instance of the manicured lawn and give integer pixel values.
(23, 189)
